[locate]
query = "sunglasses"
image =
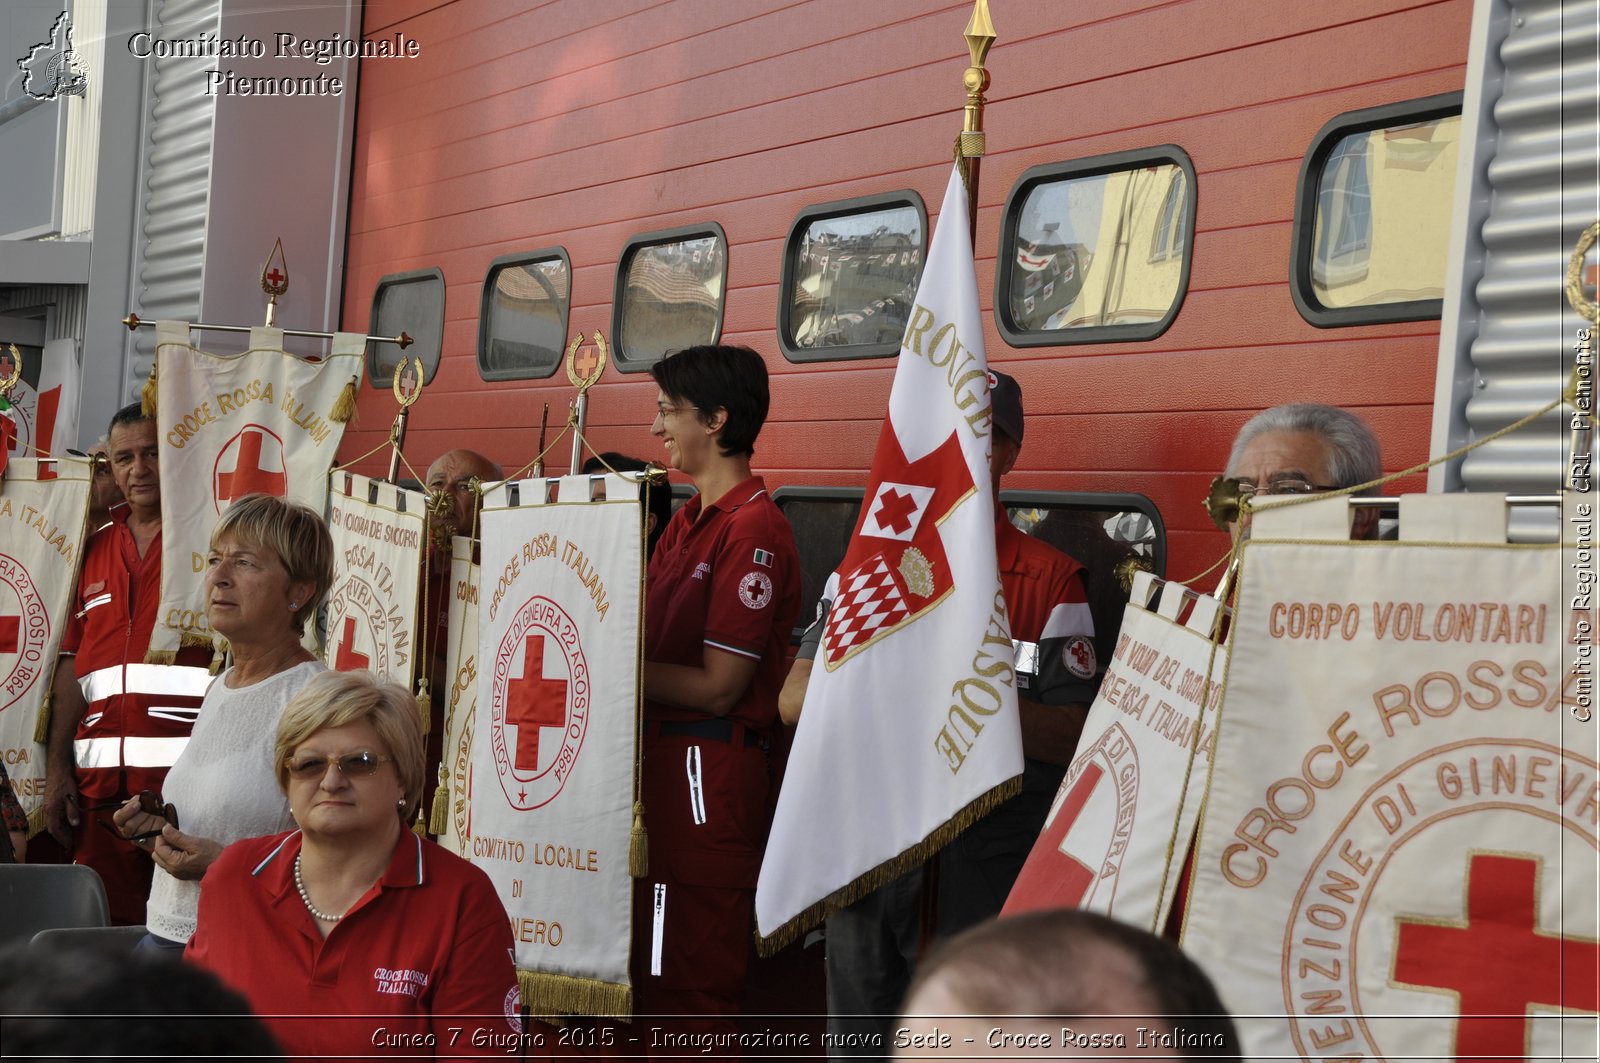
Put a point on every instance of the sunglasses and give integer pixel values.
(351, 765)
(149, 803)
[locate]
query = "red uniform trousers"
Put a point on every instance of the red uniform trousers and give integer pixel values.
(693, 913)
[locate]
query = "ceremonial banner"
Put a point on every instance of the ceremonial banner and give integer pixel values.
(42, 513)
(47, 418)
(555, 738)
(910, 729)
(373, 612)
(452, 819)
(1120, 828)
(1398, 857)
(230, 425)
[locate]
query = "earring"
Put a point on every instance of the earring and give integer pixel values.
(400, 803)
(294, 605)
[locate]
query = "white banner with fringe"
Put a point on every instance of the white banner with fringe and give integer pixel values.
(1399, 852)
(1120, 829)
(230, 425)
(555, 743)
(373, 608)
(43, 506)
(452, 804)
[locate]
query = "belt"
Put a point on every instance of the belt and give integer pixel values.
(717, 730)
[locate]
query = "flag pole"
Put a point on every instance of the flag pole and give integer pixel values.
(969, 145)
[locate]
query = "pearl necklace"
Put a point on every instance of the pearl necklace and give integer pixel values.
(305, 898)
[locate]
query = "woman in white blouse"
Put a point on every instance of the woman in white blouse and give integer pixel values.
(270, 565)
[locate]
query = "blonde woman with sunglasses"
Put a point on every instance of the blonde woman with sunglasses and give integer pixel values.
(269, 566)
(352, 933)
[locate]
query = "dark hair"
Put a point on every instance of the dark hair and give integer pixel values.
(88, 1001)
(725, 377)
(132, 413)
(657, 499)
(1044, 963)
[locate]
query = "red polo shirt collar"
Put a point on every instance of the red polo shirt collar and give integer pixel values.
(744, 491)
(276, 871)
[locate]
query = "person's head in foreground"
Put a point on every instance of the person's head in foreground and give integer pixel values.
(1305, 448)
(350, 758)
(1062, 984)
(710, 407)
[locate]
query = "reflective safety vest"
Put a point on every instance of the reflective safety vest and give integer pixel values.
(139, 715)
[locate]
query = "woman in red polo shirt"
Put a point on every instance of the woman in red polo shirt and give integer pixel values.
(720, 603)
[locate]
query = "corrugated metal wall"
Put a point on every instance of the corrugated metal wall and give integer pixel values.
(578, 124)
(1532, 115)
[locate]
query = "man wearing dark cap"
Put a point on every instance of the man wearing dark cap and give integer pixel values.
(872, 946)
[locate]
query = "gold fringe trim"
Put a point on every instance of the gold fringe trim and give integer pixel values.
(889, 870)
(219, 657)
(439, 818)
(344, 407)
(189, 638)
(41, 726)
(160, 656)
(638, 844)
(549, 996)
(147, 393)
(36, 822)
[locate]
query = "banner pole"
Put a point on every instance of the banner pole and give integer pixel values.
(980, 36)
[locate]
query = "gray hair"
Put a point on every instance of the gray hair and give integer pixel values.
(1354, 455)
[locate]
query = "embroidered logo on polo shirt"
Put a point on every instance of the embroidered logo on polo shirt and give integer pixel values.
(402, 981)
(702, 570)
(1078, 656)
(755, 590)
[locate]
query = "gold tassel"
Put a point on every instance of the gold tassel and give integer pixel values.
(638, 844)
(41, 726)
(440, 818)
(889, 870)
(147, 394)
(419, 825)
(549, 996)
(424, 704)
(344, 407)
(219, 656)
(36, 821)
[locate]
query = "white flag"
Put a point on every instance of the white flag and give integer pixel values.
(910, 728)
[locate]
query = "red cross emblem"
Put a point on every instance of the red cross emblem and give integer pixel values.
(875, 595)
(346, 659)
(10, 633)
(1073, 877)
(275, 278)
(258, 465)
(534, 702)
(1498, 961)
(586, 362)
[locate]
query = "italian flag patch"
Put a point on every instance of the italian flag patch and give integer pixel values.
(763, 557)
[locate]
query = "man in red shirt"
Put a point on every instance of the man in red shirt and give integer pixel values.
(117, 724)
(720, 603)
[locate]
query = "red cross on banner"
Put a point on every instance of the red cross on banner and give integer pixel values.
(249, 473)
(885, 584)
(10, 633)
(346, 659)
(534, 702)
(1073, 876)
(1498, 961)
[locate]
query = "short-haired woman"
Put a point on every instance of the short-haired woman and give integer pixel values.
(270, 564)
(396, 942)
(721, 599)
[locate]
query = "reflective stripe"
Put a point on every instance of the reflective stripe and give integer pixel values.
(129, 752)
(98, 752)
(152, 752)
(173, 680)
(176, 713)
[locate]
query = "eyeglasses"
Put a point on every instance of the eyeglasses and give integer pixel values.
(351, 765)
(149, 803)
(1281, 485)
(662, 409)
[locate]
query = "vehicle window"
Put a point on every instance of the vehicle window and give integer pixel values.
(850, 273)
(412, 303)
(669, 294)
(522, 324)
(1096, 250)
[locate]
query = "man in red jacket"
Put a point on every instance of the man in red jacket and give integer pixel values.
(117, 723)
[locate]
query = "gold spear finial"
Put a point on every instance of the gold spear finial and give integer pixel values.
(980, 32)
(970, 143)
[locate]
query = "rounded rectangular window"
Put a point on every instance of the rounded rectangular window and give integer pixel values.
(1372, 214)
(412, 303)
(669, 293)
(850, 273)
(1096, 250)
(522, 323)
